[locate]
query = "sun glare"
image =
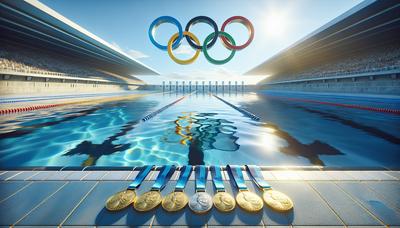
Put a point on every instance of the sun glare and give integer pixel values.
(275, 23)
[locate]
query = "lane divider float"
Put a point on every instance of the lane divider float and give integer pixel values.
(241, 110)
(30, 108)
(37, 107)
(151, 115)
(35, 98)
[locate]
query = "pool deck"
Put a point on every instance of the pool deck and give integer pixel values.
(72, 198)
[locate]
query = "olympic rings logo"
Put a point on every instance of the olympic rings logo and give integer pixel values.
(194, 42)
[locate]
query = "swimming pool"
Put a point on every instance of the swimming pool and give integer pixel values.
(200, 129)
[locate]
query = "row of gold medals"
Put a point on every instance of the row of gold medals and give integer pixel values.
(177, 200)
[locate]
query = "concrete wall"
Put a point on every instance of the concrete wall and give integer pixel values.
(34, 86)
(389, 85)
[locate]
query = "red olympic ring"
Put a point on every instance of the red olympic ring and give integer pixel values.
(245, 22)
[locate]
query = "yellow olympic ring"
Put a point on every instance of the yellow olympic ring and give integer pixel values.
(187, 61)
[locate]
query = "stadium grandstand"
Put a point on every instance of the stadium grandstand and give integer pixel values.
(357, 52)
(43, 52)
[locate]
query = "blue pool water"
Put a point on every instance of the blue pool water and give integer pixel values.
(200, 129)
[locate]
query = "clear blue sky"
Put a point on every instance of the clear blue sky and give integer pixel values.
(277, 23)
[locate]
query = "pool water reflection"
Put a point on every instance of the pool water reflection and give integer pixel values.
(202, 130)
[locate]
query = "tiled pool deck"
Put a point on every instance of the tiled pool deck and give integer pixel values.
(70, 198)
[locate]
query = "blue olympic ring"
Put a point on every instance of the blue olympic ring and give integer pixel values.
(162, 20)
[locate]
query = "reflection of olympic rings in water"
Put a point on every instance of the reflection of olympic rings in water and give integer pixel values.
(193, 41)
(208, 132)
(184, 131)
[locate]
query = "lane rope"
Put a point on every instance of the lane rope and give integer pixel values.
(241, 110)
(36, 98)
(46, 106)
(151, 115)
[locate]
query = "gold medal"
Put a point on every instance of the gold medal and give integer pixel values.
(249, 201)
(277, 200)
(123, 199)
(150, 200)
(274, 199)
(147, 201)
(120, 200)
(224, 202)
(175, 201)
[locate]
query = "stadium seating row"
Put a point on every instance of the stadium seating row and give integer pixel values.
(378, 60)
(18, 59)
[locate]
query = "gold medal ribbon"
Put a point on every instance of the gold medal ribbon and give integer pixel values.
(152, 198)
(222, 200)
(247, 200)
(278, 201)
(177, 199)
(123, 199)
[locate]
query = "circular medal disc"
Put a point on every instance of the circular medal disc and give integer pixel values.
(224, 202)
(200, 202)
(147, 201)
(249, 201)
(277, 200)
(174, 201)
(120, 200)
